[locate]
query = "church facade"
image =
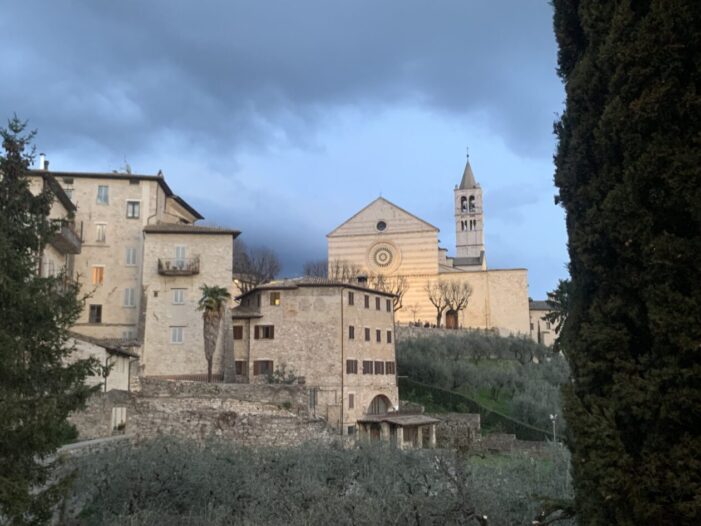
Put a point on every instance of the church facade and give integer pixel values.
(384, 239)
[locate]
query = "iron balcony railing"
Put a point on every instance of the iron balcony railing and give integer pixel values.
(179, 266)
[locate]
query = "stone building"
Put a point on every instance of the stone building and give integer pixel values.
(142, 260)
(337, 338)
(384, 239)
(541, 329)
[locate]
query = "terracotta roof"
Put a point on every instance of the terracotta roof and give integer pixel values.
(539, 305)
(179, 228)
(295, 283)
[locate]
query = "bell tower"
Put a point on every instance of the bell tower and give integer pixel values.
(469, 220)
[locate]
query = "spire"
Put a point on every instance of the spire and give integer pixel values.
(468, 179)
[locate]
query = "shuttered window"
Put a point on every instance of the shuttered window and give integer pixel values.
(238, 332)
(377, 303)
(262, 367)
(351, 366)
(389, 368)
(264, 332)
(389, 305)
(367, 301)
(351, 332)
(379, 367)
(378, 336)
(367, 334)
(367, 367)
(389, 336)
(351, 298)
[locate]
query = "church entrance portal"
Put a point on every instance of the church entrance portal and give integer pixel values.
(451, 319)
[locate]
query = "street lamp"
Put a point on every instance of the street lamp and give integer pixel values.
(553, 419)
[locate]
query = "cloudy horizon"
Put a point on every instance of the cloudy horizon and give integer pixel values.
(283, 119)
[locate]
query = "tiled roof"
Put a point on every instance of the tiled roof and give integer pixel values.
(110, 345)
(179, 228)
(539, 305)
(294, 283)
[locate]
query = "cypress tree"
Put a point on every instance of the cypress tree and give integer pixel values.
(628, 170)
(38, 385)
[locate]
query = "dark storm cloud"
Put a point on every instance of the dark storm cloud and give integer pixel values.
(124, 75)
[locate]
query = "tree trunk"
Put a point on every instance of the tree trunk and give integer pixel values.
(209, 370)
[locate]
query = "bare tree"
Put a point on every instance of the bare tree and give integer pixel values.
(254, 266)
(344, 271)
(437, 295)
(457, 295)
(318, 268)
(396, 285)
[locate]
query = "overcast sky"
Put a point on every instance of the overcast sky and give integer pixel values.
(283, 118)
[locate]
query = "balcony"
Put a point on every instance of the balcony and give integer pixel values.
(66, 240)
(179, 266)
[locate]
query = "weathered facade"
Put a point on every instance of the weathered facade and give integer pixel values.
(541, 329)
(336, 338)
(383, 239)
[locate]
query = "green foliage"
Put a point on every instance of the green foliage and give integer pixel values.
(281, 375)
(497, 374)
(627, 170)
(38, 387)
(179, 483)
(213, 305)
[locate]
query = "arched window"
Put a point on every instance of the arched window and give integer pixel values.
(463, 224)
(379, 405)
(472, 203)
(463, 204)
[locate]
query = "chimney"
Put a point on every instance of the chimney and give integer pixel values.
(42, 161)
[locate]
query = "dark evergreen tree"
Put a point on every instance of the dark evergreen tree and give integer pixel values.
(38, 387)
(628, 169)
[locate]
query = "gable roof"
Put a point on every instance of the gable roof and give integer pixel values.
(372, 203)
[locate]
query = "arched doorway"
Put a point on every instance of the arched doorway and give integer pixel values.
(379, 406)
(451, 319)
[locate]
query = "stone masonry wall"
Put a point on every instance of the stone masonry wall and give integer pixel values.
(253, 415)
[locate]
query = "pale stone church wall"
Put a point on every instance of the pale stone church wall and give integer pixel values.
(159, 356)
(508, 301)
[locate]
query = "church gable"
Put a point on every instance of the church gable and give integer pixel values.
(382, 216)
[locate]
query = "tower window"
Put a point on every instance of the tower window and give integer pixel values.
(472, 203)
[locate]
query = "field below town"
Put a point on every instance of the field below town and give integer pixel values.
(175, 482)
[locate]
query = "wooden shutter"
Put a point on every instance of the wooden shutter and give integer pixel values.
(272, 332)
(256, 333)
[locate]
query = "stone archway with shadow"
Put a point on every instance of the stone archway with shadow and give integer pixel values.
(380, 405)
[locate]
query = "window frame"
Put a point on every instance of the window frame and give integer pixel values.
(177, 329)
(377, 303)
(257, 366)
(379, 367)
(389, 305)
(131, 251)
(368, 367)
(177, 291)
(351, 332)
(351, 366)
(100, 228)
(275, 299)
(264, 332)
(389, 335)
(351, 298)
(103, 200)
(129, 298)
(367, 334)
(238, 332)
(378, 335)
(95, 313)
(390, 365)
(351, 400)
(367, 301)
(95, 272)
(137, 208)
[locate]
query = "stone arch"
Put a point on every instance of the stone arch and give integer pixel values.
(463, 204)
(471, 205)
(379, 405)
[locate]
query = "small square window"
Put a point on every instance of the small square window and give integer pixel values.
(95, 314)
(262, 367)
(275, 298)
(379, 367)
(367, 367)
(238, 332)
(103, 195)
(133, 209)
(177, 335)
(178, 296)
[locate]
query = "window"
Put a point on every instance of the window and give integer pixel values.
(177, 335)
(98, 275)
(367, 334)
(133, 209)
(381, 225)
(389, 336)
(367, 301)
(351, 430)
(377, 303)
(367, 367)
(389, 305)
(378, 336)
(547, 325)
(351, 298)
(131, 257)
(262, 367)
(275, 298)
(379, 367)
(101, 232)
(95, 314)
(351, 400)
(178, 296)
(128, 335)
(264, 332)
(240, 368)
(180, 253)
(351, 366)
(258, 299)
(103, 195)
(389, 368)
(238, 332)
(129, 297)
(351, 332)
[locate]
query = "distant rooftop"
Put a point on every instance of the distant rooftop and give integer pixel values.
(295, 283)
(539, 305)
(179, 228)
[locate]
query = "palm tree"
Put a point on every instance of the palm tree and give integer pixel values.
(213, 305)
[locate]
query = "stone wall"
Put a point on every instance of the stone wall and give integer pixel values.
(457, 430)
(253, 415)
(406, 332)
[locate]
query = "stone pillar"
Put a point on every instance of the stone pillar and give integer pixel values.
(433, 436)
(419, 437)
(400, 437)
(384, 431)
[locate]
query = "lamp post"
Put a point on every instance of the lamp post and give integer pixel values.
(553, 419)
